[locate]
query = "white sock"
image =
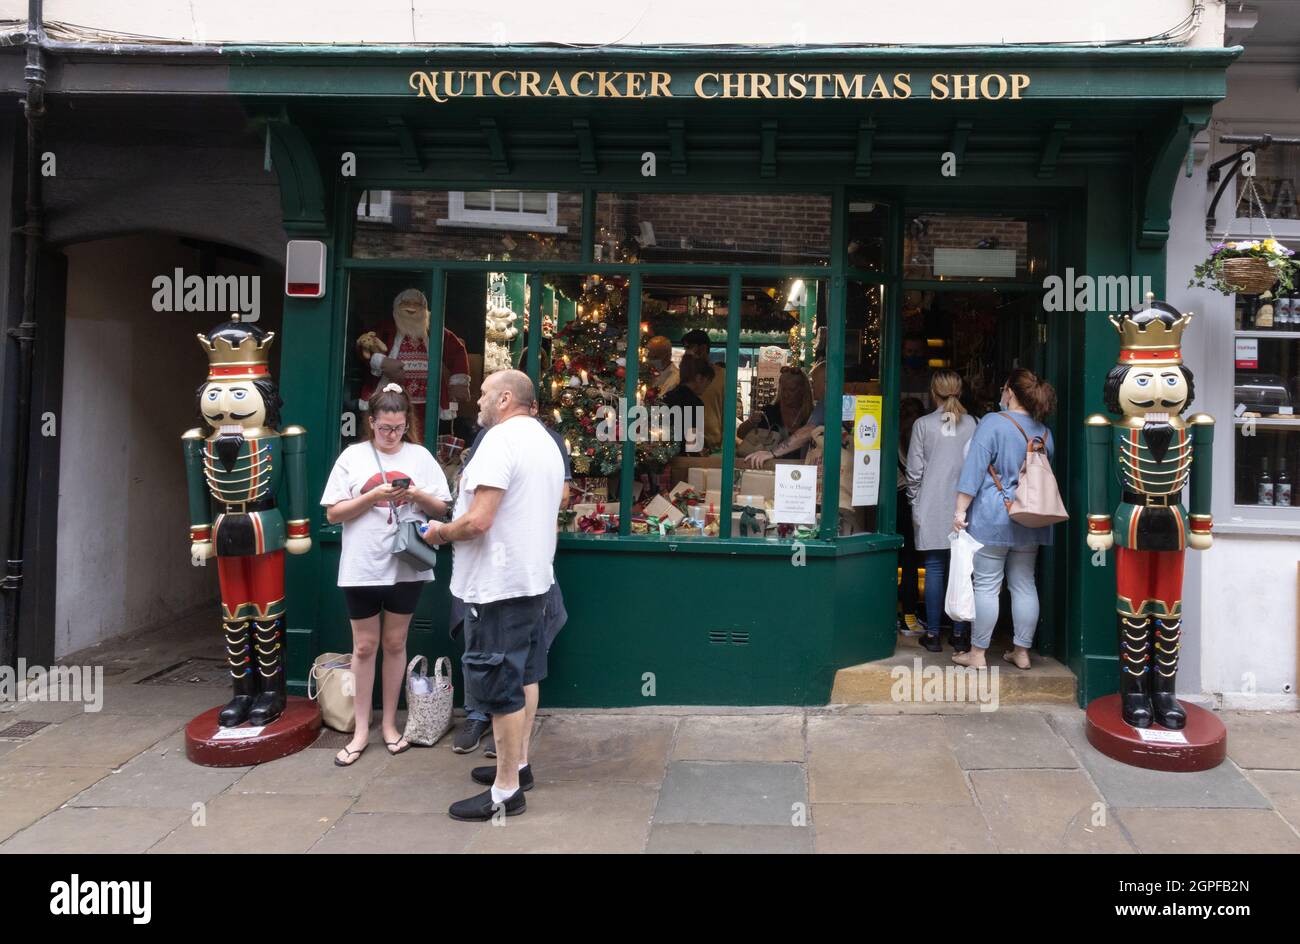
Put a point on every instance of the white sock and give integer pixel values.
(500, 796)
(523, 765)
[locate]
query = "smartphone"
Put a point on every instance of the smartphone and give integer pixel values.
(400, 483)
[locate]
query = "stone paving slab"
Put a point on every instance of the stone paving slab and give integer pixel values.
(596, 747)
(387, 833)
(55, 711)
(1210, 831)
(695, 838)
(740, 738)
(1123, 786)
(900, 759)
(1263, 740)
(1046, 811)
(1282, 788)
(313, 772)
(421, 781)
(745, 794)
(7, 746)
(184, 701)
(899, 827)
(93, 740)
(86, 830)
(160, 778)
(568, 816)
(258, 822)
(28, 793)
(1006, 739)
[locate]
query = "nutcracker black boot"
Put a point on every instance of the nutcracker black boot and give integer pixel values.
(243, 680)
(270, 671)
(1164, 673)
(1134, 670)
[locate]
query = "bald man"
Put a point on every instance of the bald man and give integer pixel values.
(659, 358)
(503, 528)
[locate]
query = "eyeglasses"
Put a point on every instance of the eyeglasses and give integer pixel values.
(392, 430)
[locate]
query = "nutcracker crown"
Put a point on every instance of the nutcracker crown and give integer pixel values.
(1152, 334)
(238, 350)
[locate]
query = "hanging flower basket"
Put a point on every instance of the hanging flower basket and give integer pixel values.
(1250, 275)
(1247, 266)
(1250, 267)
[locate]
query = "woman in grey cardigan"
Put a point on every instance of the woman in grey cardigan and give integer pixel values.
(934, 462)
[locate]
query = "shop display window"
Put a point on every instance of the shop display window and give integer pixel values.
(1266, 404)
(665, 436)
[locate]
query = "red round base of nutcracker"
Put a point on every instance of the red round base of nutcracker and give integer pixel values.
(1154, 454)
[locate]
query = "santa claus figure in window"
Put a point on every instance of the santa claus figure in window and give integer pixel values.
(399, 351)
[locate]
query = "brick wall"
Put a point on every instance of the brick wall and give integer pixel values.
(947, 232)
(784, 225)
(414, 233)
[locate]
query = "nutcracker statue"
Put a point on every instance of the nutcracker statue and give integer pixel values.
(1155, 453)
(235, 470)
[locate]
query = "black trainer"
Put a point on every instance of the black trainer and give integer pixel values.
(932, 642)
(481, 808)
(488, 776)
(470, 736)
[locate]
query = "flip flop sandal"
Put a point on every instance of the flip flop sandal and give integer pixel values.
(402, 750)
(352, 760)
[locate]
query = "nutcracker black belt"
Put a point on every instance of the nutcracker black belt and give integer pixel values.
(244, 508)
(1137, 498)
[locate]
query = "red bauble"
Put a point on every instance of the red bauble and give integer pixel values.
(620, 373)
(591, 451)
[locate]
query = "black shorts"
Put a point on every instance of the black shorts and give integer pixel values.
(505, 649)
(400, 598)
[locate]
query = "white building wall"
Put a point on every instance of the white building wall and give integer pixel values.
(720, 22)
(130, 376)
(1240, 598)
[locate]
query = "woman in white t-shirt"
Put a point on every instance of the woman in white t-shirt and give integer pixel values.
(367, 488)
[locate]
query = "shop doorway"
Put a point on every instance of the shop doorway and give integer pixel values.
(982, 333)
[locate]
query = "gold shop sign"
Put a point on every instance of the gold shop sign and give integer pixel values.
(445, 84)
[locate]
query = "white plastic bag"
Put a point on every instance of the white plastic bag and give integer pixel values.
(960, 599)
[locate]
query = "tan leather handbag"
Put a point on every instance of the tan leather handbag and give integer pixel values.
(1038, 499)
(333, 687)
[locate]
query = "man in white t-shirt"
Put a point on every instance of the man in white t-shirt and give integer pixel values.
(503, 528)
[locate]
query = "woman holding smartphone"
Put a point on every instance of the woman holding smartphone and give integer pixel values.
(367, 490)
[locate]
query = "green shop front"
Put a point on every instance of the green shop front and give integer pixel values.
(885, 212)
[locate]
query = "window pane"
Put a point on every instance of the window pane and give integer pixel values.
(862, 414)
(758, 229)
(582, 381)
(1266, 394)
(686, 411)
(973, 248)
(386, 342)
(867, 229)
(532, 202)
(780, 399)
(428, 225)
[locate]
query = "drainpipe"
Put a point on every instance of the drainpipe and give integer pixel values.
(33, 230)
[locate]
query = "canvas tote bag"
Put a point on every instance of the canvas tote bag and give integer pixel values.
(1038, 499)
(332, 686)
